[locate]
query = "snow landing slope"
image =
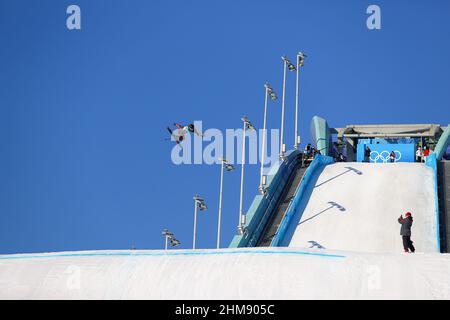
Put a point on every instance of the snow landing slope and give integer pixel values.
(245, 273)
(355, 206)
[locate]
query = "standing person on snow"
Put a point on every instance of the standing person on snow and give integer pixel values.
(405, 231)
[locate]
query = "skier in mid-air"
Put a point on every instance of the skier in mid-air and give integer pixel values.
(189, 128)
(182, 131)
(405, 232)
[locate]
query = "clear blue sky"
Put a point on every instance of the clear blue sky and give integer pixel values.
(83, 159)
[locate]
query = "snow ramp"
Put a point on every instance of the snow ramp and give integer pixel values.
(355, 206)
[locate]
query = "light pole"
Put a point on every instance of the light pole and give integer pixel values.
(247, 125)
(300, 62)
(199, 204)
(287, 64)
(273, 97)
(228, 167)
(169, 236)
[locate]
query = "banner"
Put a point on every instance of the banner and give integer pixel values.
(380, 153)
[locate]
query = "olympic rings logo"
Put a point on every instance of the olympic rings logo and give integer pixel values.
(384, 156)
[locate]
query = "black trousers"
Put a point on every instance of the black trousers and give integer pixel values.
(408, 244)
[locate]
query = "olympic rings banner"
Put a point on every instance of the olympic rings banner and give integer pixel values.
(380, 153)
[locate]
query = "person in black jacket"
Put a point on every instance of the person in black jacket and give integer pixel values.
(405, 231)
(367, 152)
(392, 156)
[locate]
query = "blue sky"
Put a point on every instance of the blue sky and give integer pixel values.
(84, 163)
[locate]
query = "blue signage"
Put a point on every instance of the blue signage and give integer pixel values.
(380, 153)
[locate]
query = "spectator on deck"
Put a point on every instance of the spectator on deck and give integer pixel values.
(426, 153)
(419, 154)
(392, 156)
(313, 152)
(405, 232)
(367, 152)
(308, 149)
(340, 157)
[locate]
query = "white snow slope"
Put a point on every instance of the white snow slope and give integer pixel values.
(355, 206)
(361, 255)
(247, 273)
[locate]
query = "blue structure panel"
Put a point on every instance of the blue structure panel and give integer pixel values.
(320, 133)
(262, 207)
(443, 143)
(432, 163)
